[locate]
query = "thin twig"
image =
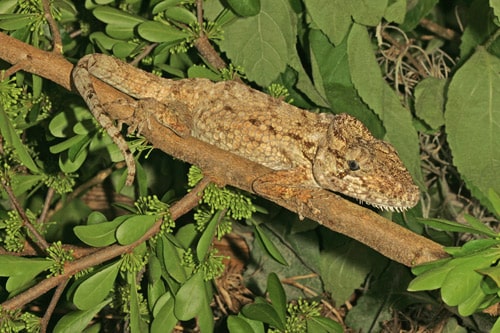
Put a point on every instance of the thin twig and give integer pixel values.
(37, 238)
(203, 45)
(147, 50)
(440, 31)
(53, 302)
(54, 29)
(46, 205)
(13, 69)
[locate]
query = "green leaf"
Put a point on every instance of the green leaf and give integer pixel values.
(207, 237)
(163, 5)
(473, 123)
(495, 4)
(11, 137)
(67, 144)
(395, 11)
(137, 323)
(472, 304)
(340, 269)
(492, 272)
(452, 226)
(479, 226)
(333, 17)
(316, 324)
(165, 319)
(116, 17)
(98, 235)
(190, 297)
(480, 26)
(245, 7)
(62, 125)
(429, 101)
(201, 71)
(472, 247)
(263, 312)
(180, 14)
(76, 321)
(133, 228)
(104, 41)
(96, 218)
(415, 12)
(12, 22)
(238, 325)
(422, 268)
(268, 245)
(368, 13)
(96, 288)
(431, 279)
(170, 259)
(495, 201)
(375, 92)
(123, 50)
(157, 32)
(461, 283)
(332, 77)
(277, 296)
(263, 55)
(21, 271)
(206, 318)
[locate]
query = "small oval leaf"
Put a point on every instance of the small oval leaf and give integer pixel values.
(190, 297)
(134, 228)
(95, 288)
(102, 234)
(160, 33)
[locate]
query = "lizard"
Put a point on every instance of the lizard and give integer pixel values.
(304, 149)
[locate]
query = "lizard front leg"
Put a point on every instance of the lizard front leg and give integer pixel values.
(296, 184)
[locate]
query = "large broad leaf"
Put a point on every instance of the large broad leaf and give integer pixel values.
(375, 92)
(262, 44)
(473, 122)
(342, 274)
(416, 11)
(333, 17)
(429, 101)
(331, 75)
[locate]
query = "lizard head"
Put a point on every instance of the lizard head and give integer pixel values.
(352, 162)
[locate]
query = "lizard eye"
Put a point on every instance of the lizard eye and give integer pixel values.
(353, 165)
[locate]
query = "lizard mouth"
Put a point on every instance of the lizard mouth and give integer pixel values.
(396, 209)
(399, 205)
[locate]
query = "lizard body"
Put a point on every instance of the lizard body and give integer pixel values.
(306, 149)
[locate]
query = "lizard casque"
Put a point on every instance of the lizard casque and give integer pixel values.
(306, 149)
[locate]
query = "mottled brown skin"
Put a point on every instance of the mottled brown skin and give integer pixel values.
(307, 150)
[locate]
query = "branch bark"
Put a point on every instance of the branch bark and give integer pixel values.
(327, 208)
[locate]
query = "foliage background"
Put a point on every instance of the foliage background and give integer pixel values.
(420, 74)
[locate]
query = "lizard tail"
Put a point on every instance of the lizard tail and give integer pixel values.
(82, 80)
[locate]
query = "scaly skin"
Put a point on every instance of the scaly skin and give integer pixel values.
(307, 150)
